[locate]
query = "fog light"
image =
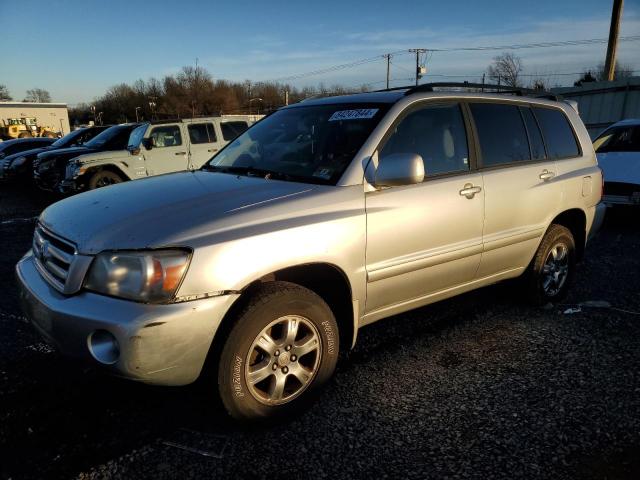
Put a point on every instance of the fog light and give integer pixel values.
(104, 347)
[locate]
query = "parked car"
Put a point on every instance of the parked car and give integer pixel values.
(20, 165)
(9, 148)
(155, 148)
(618, 151)
(49, 167)
(326, 216)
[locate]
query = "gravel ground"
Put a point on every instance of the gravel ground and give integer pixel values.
(479, 386)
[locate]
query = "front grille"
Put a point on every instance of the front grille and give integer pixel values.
(54, 257)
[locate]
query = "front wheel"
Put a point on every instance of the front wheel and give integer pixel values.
(282, 348)
(552, 269)
(103, 178)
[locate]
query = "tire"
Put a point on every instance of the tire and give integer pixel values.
(552, 269)
(103, 178)
(49, 135)
(285, 384)
(25, 135)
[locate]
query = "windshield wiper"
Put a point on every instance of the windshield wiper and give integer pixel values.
(258, 172)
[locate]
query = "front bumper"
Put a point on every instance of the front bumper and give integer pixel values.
(158, 344)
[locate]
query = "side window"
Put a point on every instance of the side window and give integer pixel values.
(201, 133)
(558, 135)
(437, 134)
(501, 133)
(535, 137)
(166, 136)
(231, 130)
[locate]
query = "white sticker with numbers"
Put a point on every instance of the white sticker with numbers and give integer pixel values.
(358, 114)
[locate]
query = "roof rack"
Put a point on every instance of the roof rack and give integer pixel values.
(519, 91)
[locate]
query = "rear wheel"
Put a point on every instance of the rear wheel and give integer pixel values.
(103, 178)
(25, 135)
(282, 348)
(552, 269)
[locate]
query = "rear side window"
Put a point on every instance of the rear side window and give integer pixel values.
(201, 133)
(437, 134)
(535, 137)
(231, 130)
(168, 136)
(558, 135)
(502, 135)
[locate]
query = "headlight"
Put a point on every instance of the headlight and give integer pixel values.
(74, 168)
(146, 276)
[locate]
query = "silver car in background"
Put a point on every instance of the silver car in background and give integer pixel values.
(326, 216)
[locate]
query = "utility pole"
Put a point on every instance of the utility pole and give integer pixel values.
(286, 97)
(418, 51)
(610, 64)
(388, 57)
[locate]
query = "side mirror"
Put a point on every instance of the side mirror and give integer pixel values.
(399, 169)
(148, 143)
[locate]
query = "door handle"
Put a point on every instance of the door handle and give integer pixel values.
(212, 150)
(180, 153)
(547, 175)
(470, 190)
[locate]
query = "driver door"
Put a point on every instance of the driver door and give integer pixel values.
(169, 152)
(426, 238)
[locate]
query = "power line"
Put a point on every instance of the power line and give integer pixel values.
(363, 61)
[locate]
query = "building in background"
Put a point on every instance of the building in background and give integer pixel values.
(604, 103)
(50, 116)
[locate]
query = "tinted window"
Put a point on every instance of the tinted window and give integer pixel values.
(437, 134)
(231, 130)
(557, 132)
(619, 139)
(502, 136)
(202, 133)
(167, 136)
(535, 137)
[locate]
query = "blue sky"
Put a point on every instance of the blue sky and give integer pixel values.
(77, 49)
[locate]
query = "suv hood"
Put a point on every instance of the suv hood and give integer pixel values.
(63, 153)
(99, 156)
(167, 210)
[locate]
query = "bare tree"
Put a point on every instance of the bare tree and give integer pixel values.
(620, 71)
(539, 83)
(4, 94)
(37, 95)
(506, 69)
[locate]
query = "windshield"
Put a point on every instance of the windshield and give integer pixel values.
(137, 135)
(619, 139)
(68, 139)
(113, 138)
(313, 144)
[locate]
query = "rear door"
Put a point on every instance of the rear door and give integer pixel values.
(203, 142)
(521, 188)
(169, 152)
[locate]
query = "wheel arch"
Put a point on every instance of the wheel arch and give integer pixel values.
(575, 220)
(326, 280)
(105, 166)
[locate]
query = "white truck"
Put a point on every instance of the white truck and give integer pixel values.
(155, 148)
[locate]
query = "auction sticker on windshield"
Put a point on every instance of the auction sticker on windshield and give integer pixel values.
(360, 113)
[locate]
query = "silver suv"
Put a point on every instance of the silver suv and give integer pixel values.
(324, 217)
